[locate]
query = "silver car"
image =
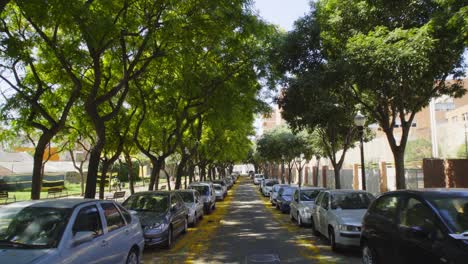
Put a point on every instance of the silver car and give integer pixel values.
(267, 186)
(258, 178)
(303, 204)
(69, 231)
(207, 193)
(338, 216)
(194, 204)
(219, 192)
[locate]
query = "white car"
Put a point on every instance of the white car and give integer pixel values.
(267, 186)
(207, 194)
(69, 231)
(219, 191)
(258, 178)
(338, 216)
(303, 204)
(274, 192)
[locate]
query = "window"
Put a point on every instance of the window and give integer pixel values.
(386, 207)
(417, 214)
(113, 218)
(324, 202)
(296, 196)
(88, 220)
(125, 213)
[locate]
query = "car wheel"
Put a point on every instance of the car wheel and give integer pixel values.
(312, 226)
(185, 226)
(331, 237)
(132, 257)
(170, 237)
(369, 255)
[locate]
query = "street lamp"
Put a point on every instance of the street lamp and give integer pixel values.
(359, 121)
(299, 161)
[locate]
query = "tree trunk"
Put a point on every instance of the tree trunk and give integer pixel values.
(37, 174)
(202, 172)
(337, 176)
(289, 174)
(282, 173)
(209, 174)
(102, 185)
(399, 157)
(168, 177)
(155, 171)
(93, 167)
(131, 177)
(191, 173)
(180, 172)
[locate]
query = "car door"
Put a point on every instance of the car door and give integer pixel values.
(419, 233)
(178, 213)
(293, 204)
(381, 227)
(315, 212)
(117, 232)
(92, 250)
(198, 204)
(323, 214)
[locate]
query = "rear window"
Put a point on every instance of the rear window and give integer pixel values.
(271, 183)
(202, 189)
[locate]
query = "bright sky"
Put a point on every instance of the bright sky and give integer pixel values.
(282, 12)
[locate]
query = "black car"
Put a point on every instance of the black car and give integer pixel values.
(417, 226)
(162, 214)
(284, 198)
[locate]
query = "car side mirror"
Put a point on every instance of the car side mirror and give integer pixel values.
(82, 237)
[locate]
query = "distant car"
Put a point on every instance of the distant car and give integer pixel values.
(274, 192)
(267, 186)
(338, 215)
(162, 214)
(224, 185)
(219, 191)
(258, 178)
(417, 226)
(303, 204)
(194, 204)
(208, 196)
(284, 198)
(69, 231)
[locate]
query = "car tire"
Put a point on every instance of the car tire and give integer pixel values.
(369, 254)
(132, 257)
(185, 226)
(314, 229)
(170, 238)
(331, 238)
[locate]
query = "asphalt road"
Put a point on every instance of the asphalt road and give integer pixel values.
(247, 229)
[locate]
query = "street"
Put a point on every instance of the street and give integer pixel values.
(245, 228)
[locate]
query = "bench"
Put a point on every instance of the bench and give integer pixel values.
(56, 192)
(4, 197)
(117, 195)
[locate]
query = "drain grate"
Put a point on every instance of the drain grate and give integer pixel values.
(263, 258)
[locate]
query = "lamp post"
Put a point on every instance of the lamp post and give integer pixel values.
(299, 162)
(282, 169)
(359, 121)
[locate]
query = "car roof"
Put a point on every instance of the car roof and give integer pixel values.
(312, 188)
(434, 192)
(337, 191)
(201, 184)
(56, 203)
(153, 192)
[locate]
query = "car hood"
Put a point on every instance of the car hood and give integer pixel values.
(350, 217)
(23, 256)
(149, 218)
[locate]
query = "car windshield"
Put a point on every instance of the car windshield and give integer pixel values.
(454, 210)
(287, 191)
(148, 202)
(218, 187)
(309, 195)
(351, 200)
(271, 183)
(202, 189)
(220, 182)
(187, 197)
(32, 227)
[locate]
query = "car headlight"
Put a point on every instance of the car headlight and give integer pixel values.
(155, 227)
(307, 210)
(349, 228)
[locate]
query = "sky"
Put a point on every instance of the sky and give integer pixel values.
(282, 12)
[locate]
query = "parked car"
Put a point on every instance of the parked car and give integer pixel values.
(69, 231)
(267, 186)
(303, 204)
(194, 204)
(417, 226)
(229, 182)
(257, 178)
(162, 214)
(338, 215)
(223, 185)
(284, 198)
(208, 196)
(274, 192)
(219, 192)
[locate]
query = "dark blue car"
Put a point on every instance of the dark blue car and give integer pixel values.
(417, 226)
(284, 198)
